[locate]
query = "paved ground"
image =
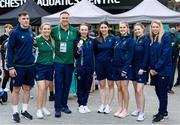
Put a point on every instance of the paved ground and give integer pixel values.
(94, 117)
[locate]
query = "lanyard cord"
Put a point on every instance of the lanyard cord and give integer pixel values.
(50, 46)
(85, 44)
(119, 43)
(59, 34)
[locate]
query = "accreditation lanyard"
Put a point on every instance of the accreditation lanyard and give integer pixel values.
(60, 37)
(119, 43)
(106, 39)
(139, 39)
(85, 45)
(82, 52)
(63, 44)
(50, 46)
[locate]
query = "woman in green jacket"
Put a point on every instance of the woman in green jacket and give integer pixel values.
(44, 68)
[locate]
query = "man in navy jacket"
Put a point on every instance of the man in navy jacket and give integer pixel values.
(20, 64)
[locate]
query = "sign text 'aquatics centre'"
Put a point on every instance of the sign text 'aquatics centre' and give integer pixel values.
(16, 3)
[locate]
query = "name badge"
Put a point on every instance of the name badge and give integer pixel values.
(63, 47)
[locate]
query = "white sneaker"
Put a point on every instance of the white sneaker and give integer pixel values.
(46, 112)
(107, 109)
(141, 117)
(135, 113)
(6, 89)
(81, 109)
(87, 109)
(101, 109)
(39, 114)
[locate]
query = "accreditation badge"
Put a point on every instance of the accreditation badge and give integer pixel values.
(63, 47)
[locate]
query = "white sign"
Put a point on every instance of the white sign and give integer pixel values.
(16, 3)
(11, 3)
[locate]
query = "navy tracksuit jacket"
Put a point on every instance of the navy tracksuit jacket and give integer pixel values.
(123, 55)
(20, 46)
(84, 69)
(141, 58)
(161, 62)
(104, 56)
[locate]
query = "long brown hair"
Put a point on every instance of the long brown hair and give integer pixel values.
(100, 37)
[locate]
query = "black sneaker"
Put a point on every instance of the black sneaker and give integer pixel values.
(16, 117)
(170, 91)
(66, 110)
(165, 115)
(158, 118)
(177, 84)
(26, 115)
(51, 98)
(57, 114)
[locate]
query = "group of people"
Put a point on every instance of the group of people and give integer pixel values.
(62, 49)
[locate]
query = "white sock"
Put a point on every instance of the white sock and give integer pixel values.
(24, 107)
(15, 109)
(39, 110)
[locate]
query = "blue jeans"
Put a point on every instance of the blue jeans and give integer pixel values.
(63, 78)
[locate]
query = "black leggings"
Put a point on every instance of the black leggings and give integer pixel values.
(5, 80)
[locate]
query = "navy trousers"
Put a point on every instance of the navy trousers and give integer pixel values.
(161, 88)
(171, 83)
(84, 82)
(63, 78)
(178, 66)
